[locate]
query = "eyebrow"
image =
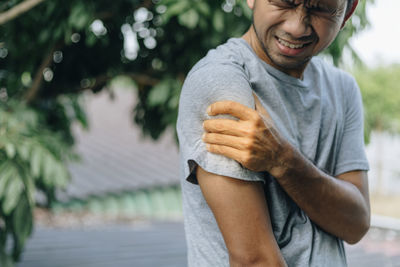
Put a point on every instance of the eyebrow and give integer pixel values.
(322, 4)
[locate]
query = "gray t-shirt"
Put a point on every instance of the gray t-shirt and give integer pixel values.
(321, 115)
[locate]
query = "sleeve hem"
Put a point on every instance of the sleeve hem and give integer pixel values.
(351, 166)
(217, 168)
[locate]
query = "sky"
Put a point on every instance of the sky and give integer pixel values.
(379, 44)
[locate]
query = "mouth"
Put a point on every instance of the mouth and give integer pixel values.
(291, 49)
(292, 45)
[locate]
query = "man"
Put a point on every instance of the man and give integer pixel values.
(272, 154)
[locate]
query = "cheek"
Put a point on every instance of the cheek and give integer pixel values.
(326, 34)
(275, 16)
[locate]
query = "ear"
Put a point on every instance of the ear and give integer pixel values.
(349, 13)
(250, 3)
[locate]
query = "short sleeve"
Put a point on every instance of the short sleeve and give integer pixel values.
(351, 155)
(203, 86)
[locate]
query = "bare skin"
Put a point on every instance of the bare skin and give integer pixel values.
(242, 215)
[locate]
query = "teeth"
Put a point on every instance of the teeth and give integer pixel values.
(287, 44)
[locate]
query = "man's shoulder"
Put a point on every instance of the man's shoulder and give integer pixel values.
(220, 75)
(225, 56)
(329, 71)
(337, 83)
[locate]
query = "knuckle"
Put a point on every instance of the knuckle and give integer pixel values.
(211, 137)
(248, 144)
(247, 158)
(207, 137)
(258, 120)
(251, 131)
(229, 105)
(211, 147)
(206, 124)
(219, 127)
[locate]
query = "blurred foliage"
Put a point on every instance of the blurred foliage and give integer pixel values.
(59, 49)
(30, 157)
(380, 88)
(357, 23)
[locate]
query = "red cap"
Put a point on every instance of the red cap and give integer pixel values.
(350, 11)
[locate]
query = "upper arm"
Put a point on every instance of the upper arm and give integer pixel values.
(204, 86)
(242, 215)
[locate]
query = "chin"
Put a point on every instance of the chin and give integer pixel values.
(290, 63)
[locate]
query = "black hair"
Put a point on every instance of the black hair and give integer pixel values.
(349, 5)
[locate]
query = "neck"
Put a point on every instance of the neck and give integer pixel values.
(251, 38)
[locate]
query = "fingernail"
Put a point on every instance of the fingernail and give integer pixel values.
(208, 146)
(209, 110)
(203, 136)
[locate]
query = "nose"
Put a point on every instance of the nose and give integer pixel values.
(297, 23)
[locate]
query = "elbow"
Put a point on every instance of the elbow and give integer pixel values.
(359, 231)
(244, 259)
(254, 259)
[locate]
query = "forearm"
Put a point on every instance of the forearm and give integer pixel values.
(337, 206)
(258, 261)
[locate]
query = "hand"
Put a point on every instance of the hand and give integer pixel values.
(253, 140)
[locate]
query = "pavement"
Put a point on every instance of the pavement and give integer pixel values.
(152, 244)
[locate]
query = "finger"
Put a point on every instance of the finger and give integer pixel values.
(232, 108)
(225, 140)
(226, 151)
(223, 126)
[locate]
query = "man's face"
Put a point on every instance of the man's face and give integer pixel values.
(292, 31)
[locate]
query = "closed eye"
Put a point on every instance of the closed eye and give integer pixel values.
(283, 3)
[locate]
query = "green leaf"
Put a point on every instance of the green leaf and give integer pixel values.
(91, 39)
(29, 184)
(218, 21)
(173, 102)
(6, 260)
(79, 17)
(6, 172)
(203, 8)
(177, 8)
(13, 194)
(10, 150)
(36, 162)
(22, 221)
(80, 112)
(48, 169)
(189, 19)
(61, 176)
(23, 150)
(159, 93)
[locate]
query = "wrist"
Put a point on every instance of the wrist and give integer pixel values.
(284, 162)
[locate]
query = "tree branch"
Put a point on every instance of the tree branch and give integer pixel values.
(32, 92)
(101, 81)
(18, 10)
(142, 79)
(147, 4)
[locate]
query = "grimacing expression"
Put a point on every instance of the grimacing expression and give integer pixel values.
(292, 31)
